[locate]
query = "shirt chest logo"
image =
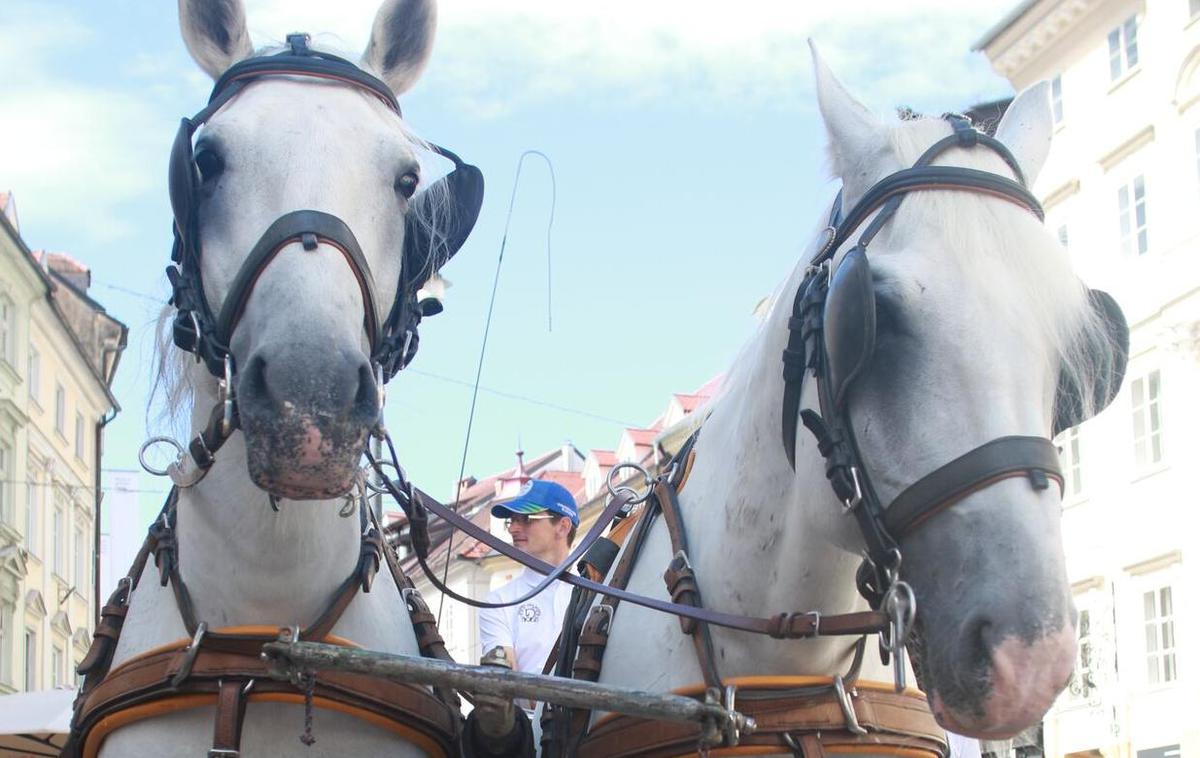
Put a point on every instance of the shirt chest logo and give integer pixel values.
(529, 612)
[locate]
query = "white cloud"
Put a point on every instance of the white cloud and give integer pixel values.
(494, 57)
(74, 153)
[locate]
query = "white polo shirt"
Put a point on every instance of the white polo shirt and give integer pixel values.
(529, 628)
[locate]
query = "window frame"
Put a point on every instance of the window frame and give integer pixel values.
(60, 410)
(8, 330)
(1057, 111)
(31, 516)
(1159, 620)
(1146, 398)
(59, 536)
(31, 659)
(33, 371)
(81, 564)
(1121, 40)
(1133, 234)
(8, 508)
(80, 436)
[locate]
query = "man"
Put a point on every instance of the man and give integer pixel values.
(542, 520)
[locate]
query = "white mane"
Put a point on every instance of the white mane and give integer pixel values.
(1052, 306)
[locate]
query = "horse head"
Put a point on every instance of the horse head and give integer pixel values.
(304, 231)
(979, 331)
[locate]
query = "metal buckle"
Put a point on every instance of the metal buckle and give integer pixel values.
(189, 658)
(854, 501)
(843, 698)
(217, 752)
(816, 617)
(900, 605)
(733, 733)
(226, 394)
(605, 610)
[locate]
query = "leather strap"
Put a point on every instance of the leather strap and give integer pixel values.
(150, 678)
(1002, 458)
(815, 722)
(231, 714)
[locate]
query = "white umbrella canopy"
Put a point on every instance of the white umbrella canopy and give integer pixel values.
(35, 723)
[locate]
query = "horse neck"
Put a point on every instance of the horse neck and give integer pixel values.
(767, 538)
(244, 563)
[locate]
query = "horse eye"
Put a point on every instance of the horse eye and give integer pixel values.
(406, 184)
(209, 163)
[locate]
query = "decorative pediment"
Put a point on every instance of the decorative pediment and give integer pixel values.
(81, 639)
(34, 604)
(1187, 83)
(61, 623)
(13, 559)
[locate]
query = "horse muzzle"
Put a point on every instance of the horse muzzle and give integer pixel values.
(306, 419)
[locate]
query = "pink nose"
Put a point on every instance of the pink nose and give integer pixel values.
(1025, 681)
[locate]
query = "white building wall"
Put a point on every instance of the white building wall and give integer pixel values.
(1128, 531)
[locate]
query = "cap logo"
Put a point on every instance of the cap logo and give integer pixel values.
(525, 490)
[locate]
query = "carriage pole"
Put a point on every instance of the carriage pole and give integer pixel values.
(287, 660)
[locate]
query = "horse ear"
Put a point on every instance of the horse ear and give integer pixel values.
(215, 33)
(858, 143)
(401, 41)
(1027, 128)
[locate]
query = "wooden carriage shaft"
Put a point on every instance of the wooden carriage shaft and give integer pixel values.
(284, 659)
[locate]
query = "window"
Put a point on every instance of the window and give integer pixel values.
(34, 375)
(1083, 680)
(1159, 614)
(8, 332)
(81, 564)
(1198, 149)
(59, 535)
(1056, 98)
(57, 666)
(1131, 206)
(6, 638)
(1072, 462)
(31, 517)
(31, 656)
(1063, 237)
(1122, 48)
(6, 500)
(1146, 395)
(60, 409)
(79, 436)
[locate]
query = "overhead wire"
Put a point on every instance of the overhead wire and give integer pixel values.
(483, 346)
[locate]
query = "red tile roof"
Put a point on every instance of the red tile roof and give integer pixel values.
(605, 457)
(642, 437)
(690, 403)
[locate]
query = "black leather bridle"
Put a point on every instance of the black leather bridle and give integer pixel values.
(832, 333)
(393, 342)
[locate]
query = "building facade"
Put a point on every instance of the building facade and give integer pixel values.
(58, 353)
(1121, 188)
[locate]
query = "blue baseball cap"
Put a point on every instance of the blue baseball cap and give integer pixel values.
(540, 495)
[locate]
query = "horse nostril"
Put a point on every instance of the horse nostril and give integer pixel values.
(366, 399)
(252, 381)
(978, 640)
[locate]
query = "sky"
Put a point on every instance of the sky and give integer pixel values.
(687, 151)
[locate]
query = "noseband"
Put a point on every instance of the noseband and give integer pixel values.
(832, 334)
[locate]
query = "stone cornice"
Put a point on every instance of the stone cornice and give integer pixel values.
(1033, 33)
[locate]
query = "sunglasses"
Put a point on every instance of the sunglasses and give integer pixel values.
(524, 518)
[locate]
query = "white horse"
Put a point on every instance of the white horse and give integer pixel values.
(978, 311)
(306, 395)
